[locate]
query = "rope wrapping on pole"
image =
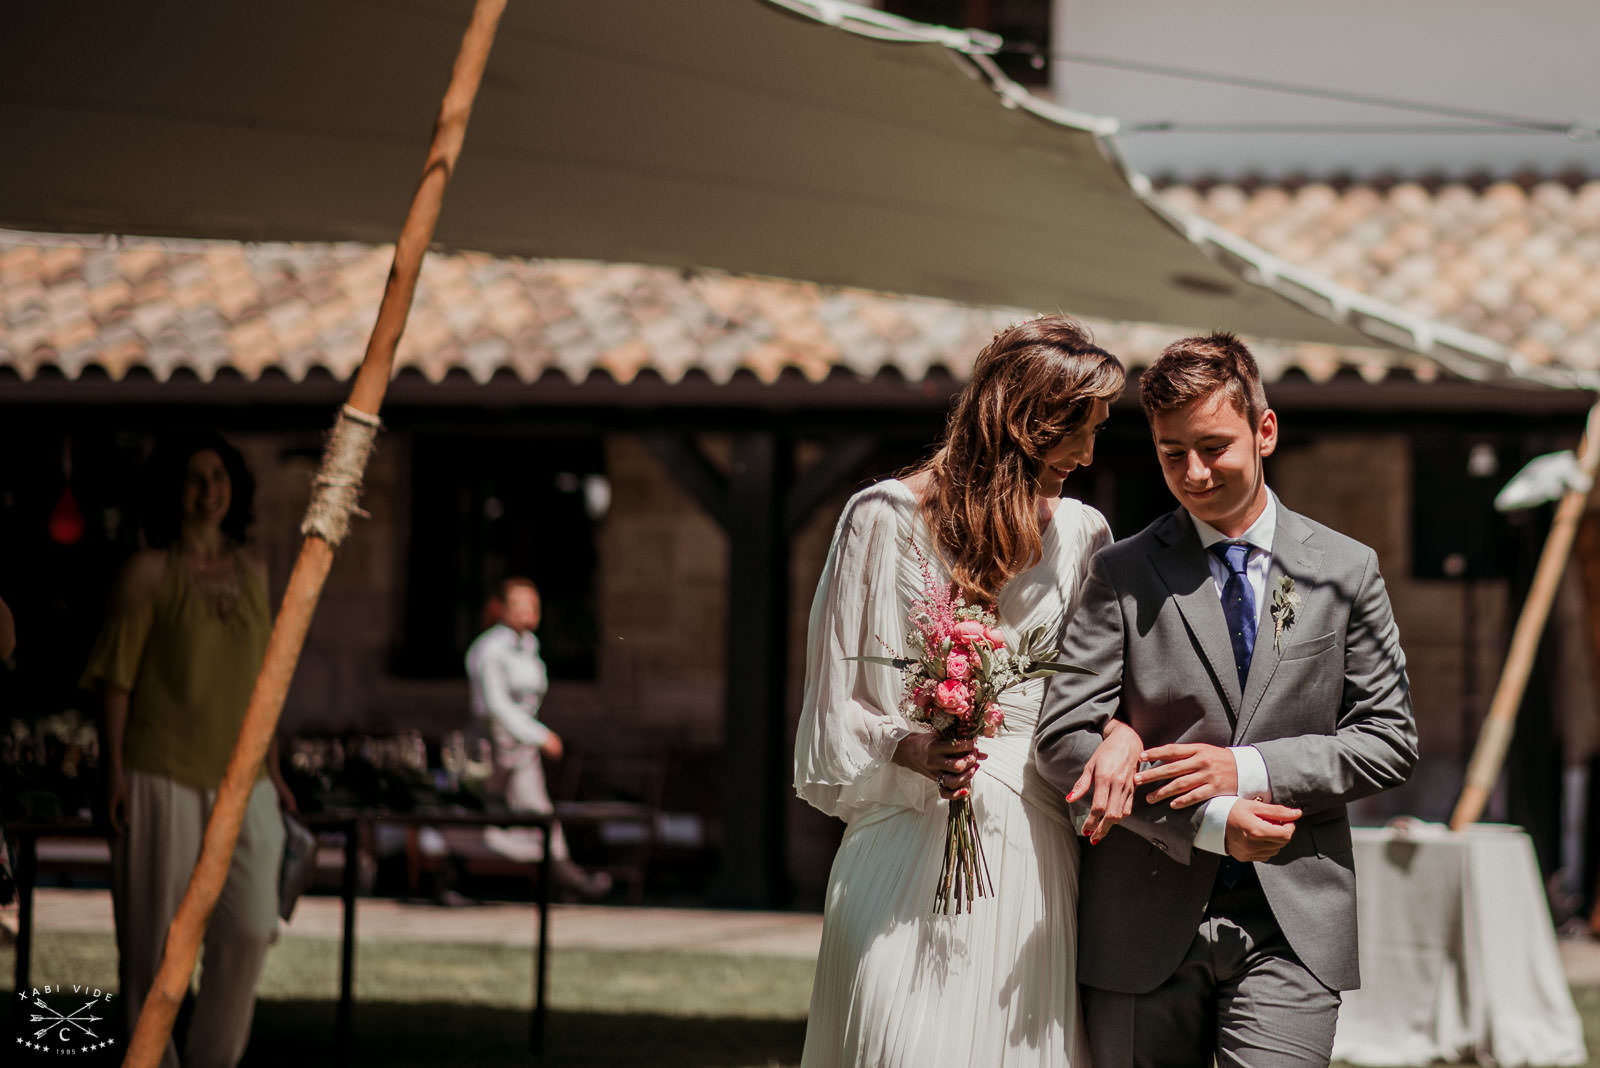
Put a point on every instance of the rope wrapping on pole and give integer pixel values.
(325, 526)
(338, 483)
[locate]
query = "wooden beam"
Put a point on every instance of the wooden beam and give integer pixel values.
(837, 467)
(759, 509)
(755, 759)
(684, 461)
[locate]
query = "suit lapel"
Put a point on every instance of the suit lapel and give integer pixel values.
(1181, 563)
(1291, 557)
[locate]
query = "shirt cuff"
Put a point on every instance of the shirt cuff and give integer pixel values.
(1213, 835)
(1251, 767)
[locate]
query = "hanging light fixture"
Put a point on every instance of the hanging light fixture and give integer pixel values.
(66, 524)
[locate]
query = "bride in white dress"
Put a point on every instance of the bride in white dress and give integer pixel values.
(896, 983)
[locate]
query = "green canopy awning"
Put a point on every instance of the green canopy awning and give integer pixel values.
(806, 139)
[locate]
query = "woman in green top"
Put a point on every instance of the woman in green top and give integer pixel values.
(176, 661)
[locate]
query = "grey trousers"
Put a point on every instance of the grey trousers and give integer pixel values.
(1240, 996)
(151, 864)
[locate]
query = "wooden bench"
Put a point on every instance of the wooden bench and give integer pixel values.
(608, 803)
(69, 859)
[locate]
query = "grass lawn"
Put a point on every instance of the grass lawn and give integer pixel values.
(446, 1004)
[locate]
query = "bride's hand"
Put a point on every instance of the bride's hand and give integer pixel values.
(1110, 773)
(951, 765)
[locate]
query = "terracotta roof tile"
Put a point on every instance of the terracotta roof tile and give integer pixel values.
(1518, 265)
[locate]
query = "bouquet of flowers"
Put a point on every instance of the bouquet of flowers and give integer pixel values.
(956, 665)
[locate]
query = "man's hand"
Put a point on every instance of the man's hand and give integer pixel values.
(1194, 772)
(1258, 829)
(551, 746)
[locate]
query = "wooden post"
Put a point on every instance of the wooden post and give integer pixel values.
(754, 869)
(154, 1027)
(761, 506)
(1495, 737)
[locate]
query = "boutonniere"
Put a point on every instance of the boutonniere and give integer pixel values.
(1284, 602)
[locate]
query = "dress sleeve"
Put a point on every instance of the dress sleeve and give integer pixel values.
(850, 719)
(1093, 534)
(120, 647)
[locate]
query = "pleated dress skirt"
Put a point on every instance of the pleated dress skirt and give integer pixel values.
(898, 984)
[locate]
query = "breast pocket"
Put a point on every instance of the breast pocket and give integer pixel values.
(1310, 647)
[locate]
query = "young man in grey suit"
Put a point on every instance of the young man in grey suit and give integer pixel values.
(1255, 654)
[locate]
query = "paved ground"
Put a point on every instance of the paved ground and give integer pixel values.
(781, 934)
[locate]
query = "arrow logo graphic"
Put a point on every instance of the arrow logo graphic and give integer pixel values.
(56, 1018)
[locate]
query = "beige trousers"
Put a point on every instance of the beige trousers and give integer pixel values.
(519, 773)
(151, 864)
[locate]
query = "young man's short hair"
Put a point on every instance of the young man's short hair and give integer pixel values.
(1192, 368)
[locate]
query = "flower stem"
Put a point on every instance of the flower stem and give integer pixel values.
(964, 873)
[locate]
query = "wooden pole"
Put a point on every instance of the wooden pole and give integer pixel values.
(1495, 737)
(154, 1027)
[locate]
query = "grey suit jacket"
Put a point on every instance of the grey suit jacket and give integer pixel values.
(1330, 713)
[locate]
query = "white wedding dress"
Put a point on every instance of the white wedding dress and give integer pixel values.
(896, 983)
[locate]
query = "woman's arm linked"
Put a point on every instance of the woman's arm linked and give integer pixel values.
(1109, 774)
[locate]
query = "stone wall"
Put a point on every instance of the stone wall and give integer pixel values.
(663, 601)
(346, 651)
(661, 589)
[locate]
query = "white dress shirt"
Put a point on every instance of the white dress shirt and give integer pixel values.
(508, 682)
(1247, 761)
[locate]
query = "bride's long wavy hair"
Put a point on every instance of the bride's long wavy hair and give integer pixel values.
(1031, 387)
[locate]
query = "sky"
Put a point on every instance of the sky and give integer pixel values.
(1531, 63)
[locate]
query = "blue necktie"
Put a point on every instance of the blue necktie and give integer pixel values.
(1238, 604)
(1239, 608)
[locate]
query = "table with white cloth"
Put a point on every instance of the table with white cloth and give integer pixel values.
(1458, 954)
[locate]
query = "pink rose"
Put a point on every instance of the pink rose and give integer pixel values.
(954, 697)
(957, 665)
(968, 631)
(993, 720)
(995, 636)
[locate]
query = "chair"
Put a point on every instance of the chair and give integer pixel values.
(617, 809)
